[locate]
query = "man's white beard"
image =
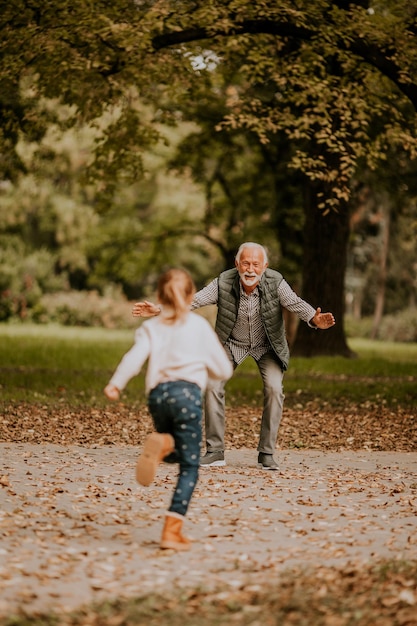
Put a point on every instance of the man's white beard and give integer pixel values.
(251, 279)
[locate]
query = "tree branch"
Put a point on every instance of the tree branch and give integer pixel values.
(254, 27)
(371, 54)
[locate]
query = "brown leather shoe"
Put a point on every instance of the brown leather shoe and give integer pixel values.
(172, 538)
(157, 446)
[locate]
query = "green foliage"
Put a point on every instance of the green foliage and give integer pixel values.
(239, 185)
(315, 86)
(24, 276)
(399, 327)
(75, 52)
(147, 224)
(311, 73)
(358, 327)
(384, 206)
(84, 308)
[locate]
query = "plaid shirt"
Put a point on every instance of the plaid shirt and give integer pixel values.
(248, 336)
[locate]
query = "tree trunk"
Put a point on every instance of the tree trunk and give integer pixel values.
(324, 266)
(382, 271)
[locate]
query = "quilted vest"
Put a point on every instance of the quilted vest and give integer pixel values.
(271, 311)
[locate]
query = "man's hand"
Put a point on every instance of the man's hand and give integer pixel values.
(112, 392)
(323, 320)
(145, 309)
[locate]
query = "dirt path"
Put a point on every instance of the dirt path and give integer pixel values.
(76, 528)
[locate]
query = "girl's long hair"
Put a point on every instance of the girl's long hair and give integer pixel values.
(175, 290)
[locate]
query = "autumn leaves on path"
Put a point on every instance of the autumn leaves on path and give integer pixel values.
(75, 526)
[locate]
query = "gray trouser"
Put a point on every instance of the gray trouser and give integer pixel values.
(272, 378)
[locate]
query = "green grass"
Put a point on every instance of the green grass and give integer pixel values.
(50, 364)
(382, 373)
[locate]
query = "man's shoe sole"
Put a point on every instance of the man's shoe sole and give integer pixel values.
(265, 467)
(214, 464)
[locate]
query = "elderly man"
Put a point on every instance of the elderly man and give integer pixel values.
(250, 299)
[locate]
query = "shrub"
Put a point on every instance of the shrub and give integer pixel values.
(84, 308)
(358, 327)
(24, 277)
(401, 326)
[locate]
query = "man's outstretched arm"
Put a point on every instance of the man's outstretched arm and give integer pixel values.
(145, 309)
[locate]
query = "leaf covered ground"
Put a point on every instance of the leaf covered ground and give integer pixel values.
(378, 595)
(351, 427)
(238, 574)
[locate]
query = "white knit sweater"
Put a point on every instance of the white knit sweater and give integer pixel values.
(187, 350)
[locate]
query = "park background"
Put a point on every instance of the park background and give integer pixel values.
(138, 135)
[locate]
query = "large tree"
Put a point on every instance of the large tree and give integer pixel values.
(338, 79)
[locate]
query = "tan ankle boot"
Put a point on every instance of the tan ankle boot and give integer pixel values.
(157, 446)
(171, 534)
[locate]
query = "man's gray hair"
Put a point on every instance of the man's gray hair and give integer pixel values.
(251, 244)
